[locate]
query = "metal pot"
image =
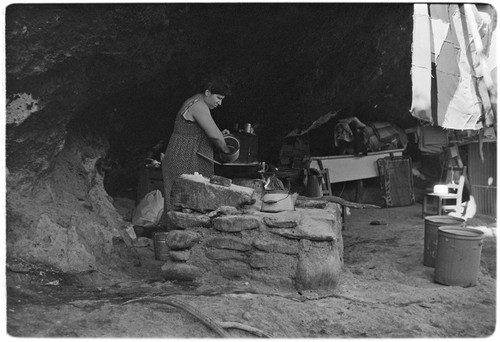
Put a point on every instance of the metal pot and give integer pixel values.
(234, 149)
(247, 128)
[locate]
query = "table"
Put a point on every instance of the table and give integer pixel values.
(343, 168)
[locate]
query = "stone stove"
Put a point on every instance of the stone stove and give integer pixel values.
(221, 233)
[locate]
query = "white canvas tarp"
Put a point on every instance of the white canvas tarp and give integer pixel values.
(459, 40)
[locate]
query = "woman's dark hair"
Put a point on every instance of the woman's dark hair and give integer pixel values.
(217, 85)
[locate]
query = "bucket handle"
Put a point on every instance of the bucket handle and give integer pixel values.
(274, 202)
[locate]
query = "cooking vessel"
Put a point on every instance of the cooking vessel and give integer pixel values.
(234, 149)
(276, 201)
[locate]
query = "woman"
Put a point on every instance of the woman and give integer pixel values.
(194, 131)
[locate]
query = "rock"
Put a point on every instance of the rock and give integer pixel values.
(225, 254)
(259, 260)
(123, 251)
(125, 207)
(256, 184)
(275, 223)
(142, 242)
(18, 266)
(234, 269)
(299, 235)
(313, 224)
(319, 266)
(228, 243)
(318, 204)
(274, 246)
(129, 228)
(224, 210)
(180, 271)
(71, 254)
(180, 220)
(196, 192)
(274, 263)
(180, 255)
(235, 223)
(181, 239)
(219, 180)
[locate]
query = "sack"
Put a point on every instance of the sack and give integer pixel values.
(149, 211)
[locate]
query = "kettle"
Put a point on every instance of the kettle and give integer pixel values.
(313, 184)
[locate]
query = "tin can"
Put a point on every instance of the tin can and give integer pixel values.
(160, 245)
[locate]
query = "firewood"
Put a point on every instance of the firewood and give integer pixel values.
(244, 327)
(218, 327)
(339, 200)
(209, 322)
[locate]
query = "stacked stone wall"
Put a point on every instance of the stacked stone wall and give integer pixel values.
(244, 247)
(298, 249)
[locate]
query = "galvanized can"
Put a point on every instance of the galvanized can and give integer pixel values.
(160, 245)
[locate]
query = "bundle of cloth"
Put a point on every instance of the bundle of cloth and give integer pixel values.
(351, 136)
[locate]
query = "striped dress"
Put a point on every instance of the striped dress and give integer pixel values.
(180, 157)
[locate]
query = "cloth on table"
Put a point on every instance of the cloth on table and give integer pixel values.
(351, 136)
(348, 132)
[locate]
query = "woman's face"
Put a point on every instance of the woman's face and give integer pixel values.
(213, 100)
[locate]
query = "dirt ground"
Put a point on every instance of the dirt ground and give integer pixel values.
(385, 292)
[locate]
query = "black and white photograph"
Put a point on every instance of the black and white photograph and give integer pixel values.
(247, 170)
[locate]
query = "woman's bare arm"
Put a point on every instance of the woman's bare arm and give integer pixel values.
(202, 116)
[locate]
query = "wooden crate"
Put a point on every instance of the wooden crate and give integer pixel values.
(396, 181)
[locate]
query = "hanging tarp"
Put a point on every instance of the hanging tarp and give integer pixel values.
(457, 40)
(421, 64)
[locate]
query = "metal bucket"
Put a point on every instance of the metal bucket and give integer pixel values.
(458, 256)
(160, 246)
(432, 223)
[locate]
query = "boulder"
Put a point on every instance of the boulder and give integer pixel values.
(180, 271)
(224, 210)
(197, 193)
(182, 255)
(319, 266)
(312, 224)
(181, 239)
(180, 220)
(272, 222)
(235, 223)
